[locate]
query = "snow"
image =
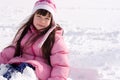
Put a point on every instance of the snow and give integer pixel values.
(92, 34)
(28, 74)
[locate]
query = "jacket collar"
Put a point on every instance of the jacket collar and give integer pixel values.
(46, 36)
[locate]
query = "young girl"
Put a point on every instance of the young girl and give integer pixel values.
(39, 44)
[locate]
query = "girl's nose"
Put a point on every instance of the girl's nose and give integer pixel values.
(42, 21)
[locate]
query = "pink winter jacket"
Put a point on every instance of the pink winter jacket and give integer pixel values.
(33, 55)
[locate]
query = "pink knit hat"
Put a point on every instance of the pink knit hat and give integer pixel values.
(48, 5)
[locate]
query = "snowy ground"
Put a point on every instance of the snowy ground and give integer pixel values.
(92, 34)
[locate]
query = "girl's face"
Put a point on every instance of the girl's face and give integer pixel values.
(41, 22)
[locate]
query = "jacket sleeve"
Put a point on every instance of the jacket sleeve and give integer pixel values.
(6, 54)
(59, 60)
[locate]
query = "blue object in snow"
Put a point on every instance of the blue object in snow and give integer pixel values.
(9, 72)
(20, 68)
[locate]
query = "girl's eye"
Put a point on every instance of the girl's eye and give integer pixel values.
(38, 16)
(47, 18)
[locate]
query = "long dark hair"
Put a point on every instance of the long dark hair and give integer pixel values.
(48, 44)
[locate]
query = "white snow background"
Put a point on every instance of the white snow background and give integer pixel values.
(91, 32)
